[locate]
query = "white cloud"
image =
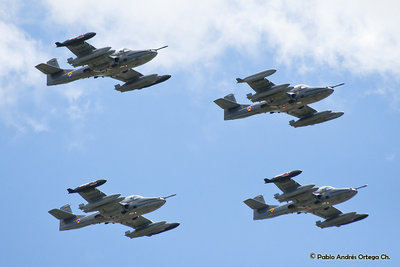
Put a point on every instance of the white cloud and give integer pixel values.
(361, 36)
(19, 53)
(22, 86)
(37, 125)
(18, 78)
(391, 156)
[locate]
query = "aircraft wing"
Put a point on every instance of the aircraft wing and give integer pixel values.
(327, 212)
(136, 222)
(127, 75)
(302, 112)
(97, 200)
(92, 195)
(260, 85)
(265, 89)
(96, 59)
(89, 191)
(291, 189)
(81, 49)
(284, 184)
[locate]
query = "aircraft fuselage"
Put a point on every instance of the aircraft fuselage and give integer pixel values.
(297, 97)
(129, 206)
(322, 198)
(123, 61)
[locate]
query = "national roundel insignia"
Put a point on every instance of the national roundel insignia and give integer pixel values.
(271, 210)
(248, 108)
(78, 220)
(69, 74)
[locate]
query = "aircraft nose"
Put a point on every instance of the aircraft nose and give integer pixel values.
(153, 53)
(328, 90)
(149, 55)
(352, 192)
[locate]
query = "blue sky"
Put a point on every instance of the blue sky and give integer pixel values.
(171, 138)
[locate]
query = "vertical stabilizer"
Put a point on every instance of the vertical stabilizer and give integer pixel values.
(231, 97)
(66, 208)
(53, 62)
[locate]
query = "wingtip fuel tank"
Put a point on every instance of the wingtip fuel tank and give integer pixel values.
(316, 118)
(256, 76)
(283, 176)
(87, 186)
(76, 40)
(142, 82)
(342, 219)
(152, 229)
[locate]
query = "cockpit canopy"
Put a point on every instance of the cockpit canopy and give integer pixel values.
(133, 197)
(324, 189)
(301, 86)
(124, 50)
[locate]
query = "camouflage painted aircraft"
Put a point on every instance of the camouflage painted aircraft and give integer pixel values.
(102, 62)
(281, 98)
(115, 209)
(306, 199)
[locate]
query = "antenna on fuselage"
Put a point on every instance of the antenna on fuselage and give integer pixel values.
(169, 196)
(361, 187)
(337, 85)
(165, 46)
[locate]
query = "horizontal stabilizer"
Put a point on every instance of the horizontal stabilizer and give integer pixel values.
(255, 204)
(47, 69)
(226, 104)
(61, 215)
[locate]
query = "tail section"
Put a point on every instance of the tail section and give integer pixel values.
(229, 105)
(64, 214)
(228, 102)
(256, 203)
(66, 208)
(259, 207)
(51, 69)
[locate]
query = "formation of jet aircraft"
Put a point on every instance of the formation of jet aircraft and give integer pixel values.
(281, 98)
(306, 199)
(102, 62)
(268, 97)
(115, 209)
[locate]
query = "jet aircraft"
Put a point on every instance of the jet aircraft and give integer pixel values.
(115, 209)
(272, 98)
(306, 199)
(102, 62)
